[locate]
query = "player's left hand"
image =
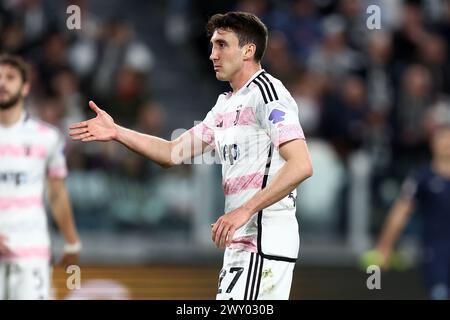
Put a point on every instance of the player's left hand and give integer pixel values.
(4, 249)
(224, 228)
(69, 259)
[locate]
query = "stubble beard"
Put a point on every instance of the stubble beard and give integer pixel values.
(11, 102)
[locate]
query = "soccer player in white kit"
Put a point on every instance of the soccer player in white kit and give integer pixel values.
(255, 130)
(31, 159)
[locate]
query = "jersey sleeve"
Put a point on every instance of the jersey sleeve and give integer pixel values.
(56, 164)
(205, 129)
(410, 189)
(281, 122)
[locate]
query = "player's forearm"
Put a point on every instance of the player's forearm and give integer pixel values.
(396, 221)
(154, 148)
(286, 180)
(62, 213)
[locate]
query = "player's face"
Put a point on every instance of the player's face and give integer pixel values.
(226, 55)
(12, 87)
(441, 143)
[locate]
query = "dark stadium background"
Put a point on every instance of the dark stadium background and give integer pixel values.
(364, 99)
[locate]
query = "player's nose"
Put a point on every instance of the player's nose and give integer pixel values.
(213, 55)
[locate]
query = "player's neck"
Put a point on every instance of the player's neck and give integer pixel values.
(242, 77)
(11, 116)
(442, 167)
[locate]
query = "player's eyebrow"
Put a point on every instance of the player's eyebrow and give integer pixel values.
(218, 41)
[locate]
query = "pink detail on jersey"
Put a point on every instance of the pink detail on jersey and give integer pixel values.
(42, 128)
(246, 116)
(60, 172)
(242, 183)
(203, 132)
(29, 252)
(32, 151)
(218, 120)
(286, 133)
(246, 243)
(20, 202)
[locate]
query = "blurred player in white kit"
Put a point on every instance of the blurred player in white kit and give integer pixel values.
(31, 161)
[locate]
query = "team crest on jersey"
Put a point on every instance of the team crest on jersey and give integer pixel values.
(238, 112)
(276, 116)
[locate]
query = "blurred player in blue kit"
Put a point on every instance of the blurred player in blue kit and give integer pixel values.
(427, 191)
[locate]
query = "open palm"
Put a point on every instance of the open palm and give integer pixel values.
(100, 128)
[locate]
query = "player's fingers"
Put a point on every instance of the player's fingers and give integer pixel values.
(81, 136)
(230, 235)
(77, 137)
(214, 226)
(223, 237)
(88, 139)
(78, 131)
(218, 234)
(94, 107)
(215, 231)
(78, 125)
(4, 250)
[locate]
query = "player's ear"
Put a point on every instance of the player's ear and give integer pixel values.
(249, 51)
(26, 89)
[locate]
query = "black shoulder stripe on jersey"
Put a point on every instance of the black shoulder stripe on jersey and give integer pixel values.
(261, 80)
(271, 85)
(261, 89)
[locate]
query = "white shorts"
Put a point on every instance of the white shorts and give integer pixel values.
(247, 276)
(25, 279)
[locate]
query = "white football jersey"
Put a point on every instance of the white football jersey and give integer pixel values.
(246, 129)
(30, 151)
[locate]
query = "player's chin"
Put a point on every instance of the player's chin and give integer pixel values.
(221, 77)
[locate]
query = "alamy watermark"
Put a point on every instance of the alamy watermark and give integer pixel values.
(373, 21)
(374, 280)
(242, 149)
(73, 21)
(73, 281)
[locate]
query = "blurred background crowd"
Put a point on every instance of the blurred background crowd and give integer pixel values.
(368, 100)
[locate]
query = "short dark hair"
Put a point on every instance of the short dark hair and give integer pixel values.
(248, 28)
(17, 63)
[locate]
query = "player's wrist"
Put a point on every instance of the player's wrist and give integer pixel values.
(249, 211)
(117, 132)
(73, 248)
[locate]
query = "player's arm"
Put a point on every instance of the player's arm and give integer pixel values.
(4, 249)
(62, 213)
(165, 153)
(296, 169)
(396, 221)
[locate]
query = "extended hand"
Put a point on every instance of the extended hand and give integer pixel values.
(69, 259)
(224, 228)
(4, 249)
(100, 128)
(380, 258)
